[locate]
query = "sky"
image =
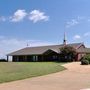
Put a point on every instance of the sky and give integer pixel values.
(42, 22)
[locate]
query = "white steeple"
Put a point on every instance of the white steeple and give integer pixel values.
(64, 40)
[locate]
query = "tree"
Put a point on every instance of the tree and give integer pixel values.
(67, 53)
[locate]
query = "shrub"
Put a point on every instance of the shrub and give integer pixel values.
(87, 57)
(84, 62)
(3, 60)
(88, 60)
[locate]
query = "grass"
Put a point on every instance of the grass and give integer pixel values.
(11, 71)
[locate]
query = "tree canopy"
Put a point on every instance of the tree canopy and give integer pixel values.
(67, 53)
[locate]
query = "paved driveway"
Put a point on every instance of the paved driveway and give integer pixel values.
(76, 77)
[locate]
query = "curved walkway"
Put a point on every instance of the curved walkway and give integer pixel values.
(76, 77)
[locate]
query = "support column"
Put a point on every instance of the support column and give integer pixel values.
(42, 58)
(7, 58)
(25, 58)
(17, 57)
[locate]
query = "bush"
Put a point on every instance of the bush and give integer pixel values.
(88, 60)
(84, 62)
(3, 60)
(87, 57)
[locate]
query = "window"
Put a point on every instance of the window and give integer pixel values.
(54, 57)
(35, 58)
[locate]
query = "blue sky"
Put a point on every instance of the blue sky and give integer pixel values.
(42, 22)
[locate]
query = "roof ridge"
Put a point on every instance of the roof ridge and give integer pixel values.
(53, 45)
(45, 46)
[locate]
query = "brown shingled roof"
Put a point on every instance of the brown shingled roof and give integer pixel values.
(84, 50)
(41, 49)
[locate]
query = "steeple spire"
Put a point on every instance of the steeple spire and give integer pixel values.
(27, 44)
(64, 40)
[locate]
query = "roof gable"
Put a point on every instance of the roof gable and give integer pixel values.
(49, 51)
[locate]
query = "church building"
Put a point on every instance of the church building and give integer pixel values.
(47, 53)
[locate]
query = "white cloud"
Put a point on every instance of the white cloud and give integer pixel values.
(2, 18)
(8, 45)
(77, 37)
(75, 21)
(88, 19)
(37, 15)
(86, 34)
(19, 15)
(81, 17)
(83, 37)
(71, 23)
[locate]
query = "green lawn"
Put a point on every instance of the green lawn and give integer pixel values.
(11, 71)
